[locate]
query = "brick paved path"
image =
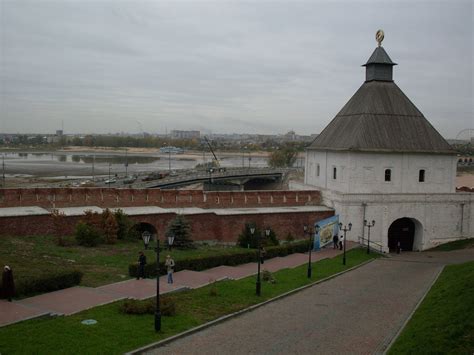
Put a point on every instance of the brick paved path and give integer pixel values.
(77, 299)
(356, 313)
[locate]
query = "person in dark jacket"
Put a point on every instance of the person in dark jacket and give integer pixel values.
(141, 265)
(8, 285)
(335, 241)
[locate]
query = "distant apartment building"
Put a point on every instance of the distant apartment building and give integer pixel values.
(176, 134)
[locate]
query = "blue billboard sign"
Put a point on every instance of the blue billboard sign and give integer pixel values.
(327, 229)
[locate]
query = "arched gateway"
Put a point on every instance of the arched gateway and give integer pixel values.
(405, 231)
(142, 227)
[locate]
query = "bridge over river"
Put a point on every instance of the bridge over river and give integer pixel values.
(235, 178)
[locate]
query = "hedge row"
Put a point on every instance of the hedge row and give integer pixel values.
(47, 283)
(204, 263)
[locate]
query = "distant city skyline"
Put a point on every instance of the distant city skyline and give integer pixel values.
(224, 67)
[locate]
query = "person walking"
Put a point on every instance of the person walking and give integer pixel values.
(169, 263)
(341, 241)
(141, 265)
(8, 285)
(335, 241)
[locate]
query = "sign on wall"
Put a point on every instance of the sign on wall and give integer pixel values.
(327, 229)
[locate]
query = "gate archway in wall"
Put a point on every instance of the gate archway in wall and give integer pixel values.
(407, 232)
(138, 228)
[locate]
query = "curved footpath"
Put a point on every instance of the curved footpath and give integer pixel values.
(76, 299)
(359, 312)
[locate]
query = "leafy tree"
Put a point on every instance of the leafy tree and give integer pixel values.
(283, 157)
(109, 227)
(87, 235)
(58, 225)
(124, 226)
(181, 230)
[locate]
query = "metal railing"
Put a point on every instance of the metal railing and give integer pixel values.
(372, 245)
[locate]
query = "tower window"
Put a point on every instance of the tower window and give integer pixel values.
(421, 175)
(317, 170)
(388, 174)
(334, 173)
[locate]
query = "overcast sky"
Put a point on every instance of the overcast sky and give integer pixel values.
(224, 66)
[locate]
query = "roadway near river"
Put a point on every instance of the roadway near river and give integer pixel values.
(38, 168)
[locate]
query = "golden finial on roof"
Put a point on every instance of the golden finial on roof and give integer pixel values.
(379, 36)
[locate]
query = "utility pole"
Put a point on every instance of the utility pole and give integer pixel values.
(3, 169)
(93, 171)
(126, 162)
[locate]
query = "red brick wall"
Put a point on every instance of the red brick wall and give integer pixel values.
(206, 226)
(105, 197)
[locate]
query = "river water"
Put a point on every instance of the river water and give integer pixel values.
(70, 165)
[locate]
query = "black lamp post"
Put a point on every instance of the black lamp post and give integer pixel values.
(211, 170)
(310, 232)
(345, 229)
(109, 173)
(258, 285)
(170, 241)
(146, 240)
(368, 225)
(267, 234)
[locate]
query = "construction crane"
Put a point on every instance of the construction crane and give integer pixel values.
(214, 154)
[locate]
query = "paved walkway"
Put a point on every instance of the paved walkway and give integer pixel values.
(359, 312)
(77, 299)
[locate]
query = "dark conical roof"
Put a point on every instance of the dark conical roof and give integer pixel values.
(379, 56)
(381, 118)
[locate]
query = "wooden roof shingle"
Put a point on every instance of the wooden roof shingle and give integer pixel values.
(381, 118)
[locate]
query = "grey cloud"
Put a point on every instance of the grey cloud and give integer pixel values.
(234, 66)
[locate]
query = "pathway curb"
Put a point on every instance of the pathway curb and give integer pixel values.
(384, 348)
(163, 342)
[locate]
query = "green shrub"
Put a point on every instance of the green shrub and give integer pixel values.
(87, 235)
(289, 238)
(268, 276)
(167, 306)
(47, 283)
(204, 263)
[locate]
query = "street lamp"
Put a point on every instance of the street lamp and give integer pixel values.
(126, 162)
(110, 165)
(146, 238)
(211, 170)
(146, 235)
(3, 169)
(168, 146)
(345, 229)
(258, 284)
(267, 234)
(170, 241)
(311, 234)
(368, 225)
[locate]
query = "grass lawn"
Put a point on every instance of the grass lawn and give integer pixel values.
(455, 245)
(32, 256)
(444, 322)
(117, 333)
